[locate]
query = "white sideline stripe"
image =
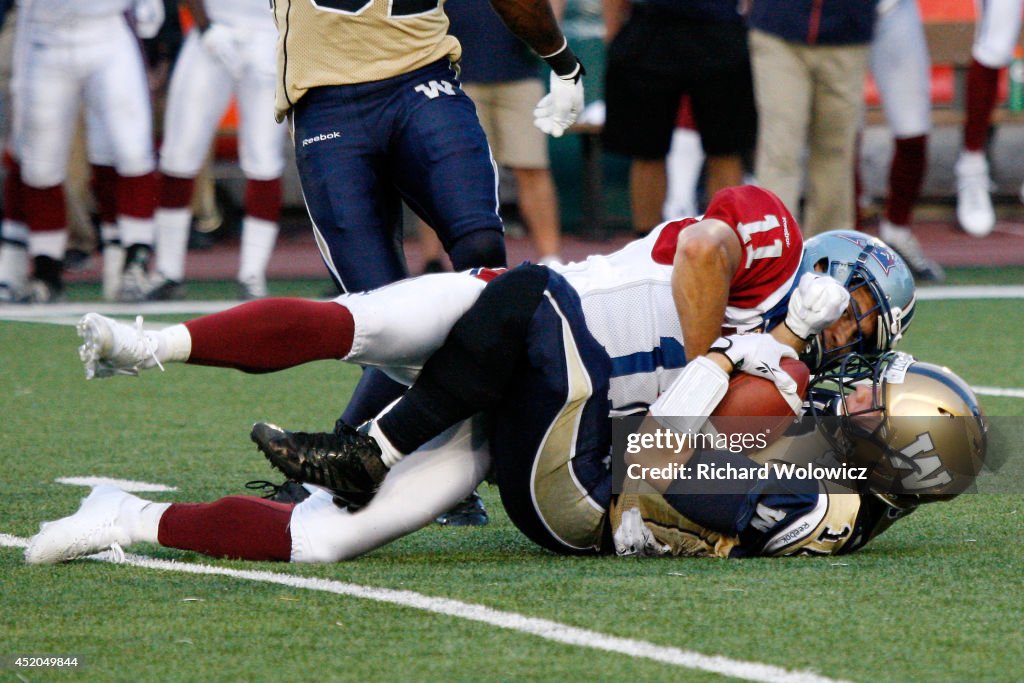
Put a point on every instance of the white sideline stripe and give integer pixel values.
(124, 484)
(949, 292)
(70, 312)
(543, 628)
(999, 391)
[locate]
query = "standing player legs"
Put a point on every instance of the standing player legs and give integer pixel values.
(902, 71)
(198, 94)
(261, 156)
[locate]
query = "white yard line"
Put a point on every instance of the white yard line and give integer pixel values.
(123, 484)
(68, 313)
(512, 621)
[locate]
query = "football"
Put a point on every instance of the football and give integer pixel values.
(754, 405)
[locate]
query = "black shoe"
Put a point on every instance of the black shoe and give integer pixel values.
(470, 511)
(290, 491)
(347, 464)
(166, 290)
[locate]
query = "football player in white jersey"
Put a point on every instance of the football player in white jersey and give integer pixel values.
(66, 55)
(229, 52)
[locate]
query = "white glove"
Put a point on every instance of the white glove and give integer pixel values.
(633, 537)
(558, 110)
(148, 16)
(761, 355)
(817, 302)
(220, 42)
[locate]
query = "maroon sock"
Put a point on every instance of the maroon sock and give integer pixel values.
(272, 334)
(45, 208)
(136, 195)
(263, 199)
(237, 527)
(14, 191)
(981, 99)
(176, 193)
(104, 188)
(906, 175)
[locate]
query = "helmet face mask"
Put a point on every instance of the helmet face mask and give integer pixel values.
(916, 427)
(864, 264)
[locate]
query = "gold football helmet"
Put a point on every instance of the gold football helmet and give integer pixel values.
(920, 432)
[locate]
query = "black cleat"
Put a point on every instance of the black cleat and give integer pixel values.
(470, 511)
(290, 491)
(346, 463)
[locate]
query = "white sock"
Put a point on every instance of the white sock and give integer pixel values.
(388, 453)
(888, 231)
(136, 230)
(50, 243)
(13, 264)
(173, 344)
(172, 228)
(258, 239)
(141, 518)
(113, 265)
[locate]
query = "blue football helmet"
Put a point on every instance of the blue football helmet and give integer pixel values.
(857, 260)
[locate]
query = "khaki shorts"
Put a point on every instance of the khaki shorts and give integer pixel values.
(506, 114)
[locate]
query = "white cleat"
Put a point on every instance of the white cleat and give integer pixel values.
(110, 347)
(974, 209)
(92, 529)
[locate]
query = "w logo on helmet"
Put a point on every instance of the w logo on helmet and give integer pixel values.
(925, 465)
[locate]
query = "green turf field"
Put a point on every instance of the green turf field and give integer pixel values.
(937, 598)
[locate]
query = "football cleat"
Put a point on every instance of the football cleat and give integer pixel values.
(113, 348)
(134, 284)
(974, 209)
(290, 491)
(162, 289)
(345, 462)
(252, 288)
(91, 529)
(470, 511)
(906, 245)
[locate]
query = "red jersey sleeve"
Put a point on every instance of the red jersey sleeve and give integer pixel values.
(769, 238)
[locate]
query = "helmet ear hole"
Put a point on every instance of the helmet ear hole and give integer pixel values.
(821, 265)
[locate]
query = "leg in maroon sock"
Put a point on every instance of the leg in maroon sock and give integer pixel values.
(982, 84)
(271, 334)
(236, 527)
(906, 175)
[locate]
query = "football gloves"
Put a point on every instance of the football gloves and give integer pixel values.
(148, 16)
(817, 302)
(633, 537)
(761, 355)
(560, 108)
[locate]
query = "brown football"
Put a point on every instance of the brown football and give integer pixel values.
(753, 405)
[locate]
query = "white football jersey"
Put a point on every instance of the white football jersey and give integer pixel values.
(627, 296)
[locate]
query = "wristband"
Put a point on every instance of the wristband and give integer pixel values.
(565, 63)
(692, 397)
